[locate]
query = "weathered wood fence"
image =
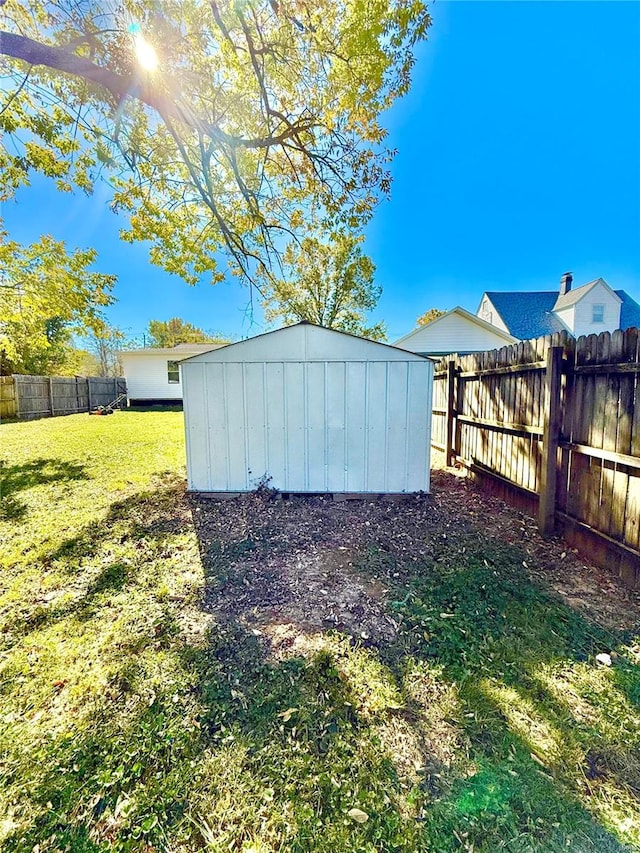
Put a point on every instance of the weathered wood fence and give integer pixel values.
(29, 397)
(553, 425)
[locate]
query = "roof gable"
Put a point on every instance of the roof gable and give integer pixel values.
(305, 342)
(578, 293)
(420, 331)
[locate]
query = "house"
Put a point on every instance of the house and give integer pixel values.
(308, 409)
(456, 331)
(153, 374)
(590, 309)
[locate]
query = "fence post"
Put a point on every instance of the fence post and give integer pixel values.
(550, 441)
(89, 393)
(51, 396)
(451, 408)
(16, 391)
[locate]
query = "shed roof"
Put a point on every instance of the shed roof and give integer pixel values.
(305, 341)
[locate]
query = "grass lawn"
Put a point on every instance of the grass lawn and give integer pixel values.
(148, 702)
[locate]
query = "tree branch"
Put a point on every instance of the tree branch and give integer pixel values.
(123, 86)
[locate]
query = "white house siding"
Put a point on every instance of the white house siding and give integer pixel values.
(452, 333)
(567, 316)
(147, 379)
(309, 412)
(583, 312)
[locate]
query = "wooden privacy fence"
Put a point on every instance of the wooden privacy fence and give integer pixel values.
(29, 397)
(553, 425)
(7, 397)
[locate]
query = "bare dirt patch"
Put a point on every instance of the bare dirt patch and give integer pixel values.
(282, 566)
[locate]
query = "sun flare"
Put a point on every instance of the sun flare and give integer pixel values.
(146, 54)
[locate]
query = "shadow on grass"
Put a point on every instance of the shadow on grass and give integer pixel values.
(545, 763)
(17, 478)
(227, 744)
(147, 518)
(275, 754)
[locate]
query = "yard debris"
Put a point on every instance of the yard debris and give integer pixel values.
(297, 562)
(358, 815)
(286, 715)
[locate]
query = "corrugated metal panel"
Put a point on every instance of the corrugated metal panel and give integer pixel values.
(309, 426)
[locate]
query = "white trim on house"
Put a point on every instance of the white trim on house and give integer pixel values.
(496, 320)
(180, 351)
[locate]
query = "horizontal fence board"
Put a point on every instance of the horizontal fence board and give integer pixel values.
(500, 426)
(499, 371)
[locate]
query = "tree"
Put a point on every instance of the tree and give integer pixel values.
(429, 316)
(86, 363)
(105, 343)
(216, 123)
(47, 294)
(330, 283)
(170, 333)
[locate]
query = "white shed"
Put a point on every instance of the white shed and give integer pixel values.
(308, 409)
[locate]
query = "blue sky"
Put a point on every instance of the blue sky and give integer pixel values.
(518, 159)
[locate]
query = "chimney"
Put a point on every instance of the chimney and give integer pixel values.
(565, 283)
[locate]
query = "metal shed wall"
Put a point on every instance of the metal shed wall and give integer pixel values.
(350, 424)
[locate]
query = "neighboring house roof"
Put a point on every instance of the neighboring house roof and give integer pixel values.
(629, 310)
(467, 315)
(531, 314)
(180, 350)
(575, 295)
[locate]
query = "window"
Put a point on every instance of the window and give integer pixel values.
(173, 372)
(597, 313)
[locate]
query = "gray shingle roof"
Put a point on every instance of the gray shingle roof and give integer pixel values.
(576, 294)
(530, 314)
(629, 310)
(527, 315)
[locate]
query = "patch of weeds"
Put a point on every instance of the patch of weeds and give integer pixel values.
(297, 738)
(263, 487)
(376, 561)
